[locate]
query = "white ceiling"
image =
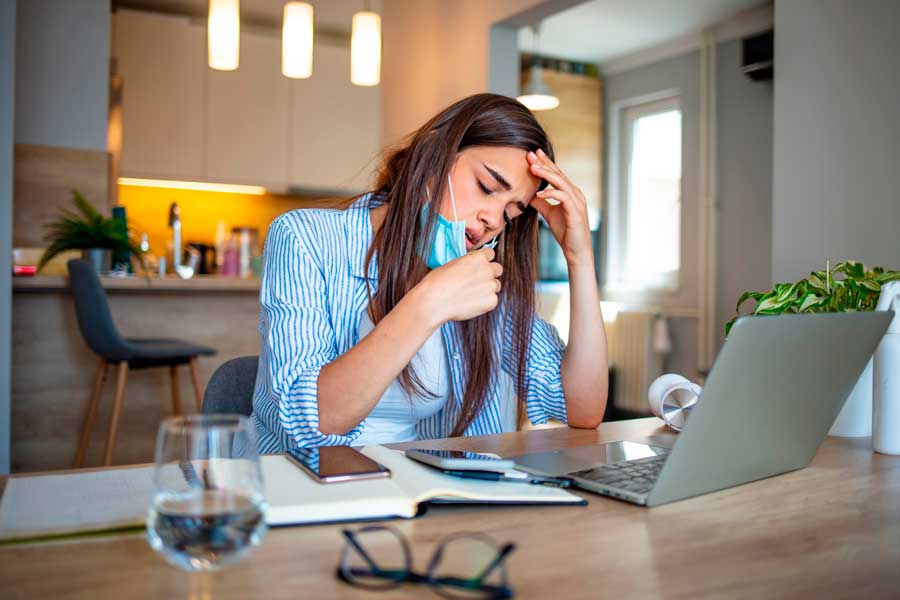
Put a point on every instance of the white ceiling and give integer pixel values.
(600, 30)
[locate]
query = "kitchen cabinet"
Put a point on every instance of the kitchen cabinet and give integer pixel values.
(182, 120)
(340, 150)
(247, 111)
(160, 58)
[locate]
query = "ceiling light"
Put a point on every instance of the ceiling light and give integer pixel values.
(224, 33)
(297, 40)
(365, 49)
(536, 95)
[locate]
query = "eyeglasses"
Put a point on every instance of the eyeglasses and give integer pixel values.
(464, 565)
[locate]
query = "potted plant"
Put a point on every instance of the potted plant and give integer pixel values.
(849, 286)
(92, 233)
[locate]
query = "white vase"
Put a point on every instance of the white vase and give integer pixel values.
(855, 419)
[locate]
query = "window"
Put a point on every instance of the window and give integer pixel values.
(645, 219)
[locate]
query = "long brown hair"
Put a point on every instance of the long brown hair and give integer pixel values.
(423, 160)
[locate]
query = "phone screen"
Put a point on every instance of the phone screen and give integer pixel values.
(337, 463)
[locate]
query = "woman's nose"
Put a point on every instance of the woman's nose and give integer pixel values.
(492, 219)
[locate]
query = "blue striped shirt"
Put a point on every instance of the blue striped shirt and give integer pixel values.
(313, 294)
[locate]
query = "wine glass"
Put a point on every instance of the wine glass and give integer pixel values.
(208, 508)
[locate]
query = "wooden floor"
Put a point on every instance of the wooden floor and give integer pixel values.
(829, 531)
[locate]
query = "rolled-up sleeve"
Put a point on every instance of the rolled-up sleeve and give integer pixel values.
(297, 340)
(544, 398)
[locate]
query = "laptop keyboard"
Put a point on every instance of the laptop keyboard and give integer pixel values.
(636, 476)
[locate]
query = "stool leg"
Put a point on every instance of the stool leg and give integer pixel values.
(122, 376)
(90, 415)
(195, 376)
(176, 398)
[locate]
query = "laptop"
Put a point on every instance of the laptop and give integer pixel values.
(775, 390)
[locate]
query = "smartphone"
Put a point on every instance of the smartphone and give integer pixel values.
(335, 464)
(457, 460)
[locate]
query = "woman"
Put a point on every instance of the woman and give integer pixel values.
(404, 314)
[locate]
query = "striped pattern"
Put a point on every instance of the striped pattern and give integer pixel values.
(313, 294)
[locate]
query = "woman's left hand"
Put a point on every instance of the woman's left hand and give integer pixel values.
(568, 220)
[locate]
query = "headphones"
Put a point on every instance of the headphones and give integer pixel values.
(672, 397)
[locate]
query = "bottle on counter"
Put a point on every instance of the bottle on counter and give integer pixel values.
(886, 377)
(248, 247)
(221, 240)
(175, 226)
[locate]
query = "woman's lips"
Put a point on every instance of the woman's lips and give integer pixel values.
(471, 239)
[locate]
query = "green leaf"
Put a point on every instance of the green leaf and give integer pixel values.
(851, 268)
(811, 301)
(772, 306)
(871, 285)
(747, 296)
(817, 282)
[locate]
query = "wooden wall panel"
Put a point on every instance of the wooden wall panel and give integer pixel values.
(44, 177)
(576, 129)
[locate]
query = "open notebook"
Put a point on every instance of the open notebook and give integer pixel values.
(113, 499)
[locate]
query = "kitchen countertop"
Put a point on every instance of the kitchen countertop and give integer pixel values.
(137, 285)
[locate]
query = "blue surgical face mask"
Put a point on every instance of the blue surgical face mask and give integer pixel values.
(449, 241)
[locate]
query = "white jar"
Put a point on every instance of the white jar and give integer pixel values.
(886, 378)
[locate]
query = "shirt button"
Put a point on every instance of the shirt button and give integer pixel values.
(456, 356)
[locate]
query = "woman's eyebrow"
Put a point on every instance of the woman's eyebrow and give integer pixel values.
(500, 179)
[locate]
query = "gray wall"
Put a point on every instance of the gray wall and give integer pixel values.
(62, 73)
(836, 176)
(744, 184)
(7, 120)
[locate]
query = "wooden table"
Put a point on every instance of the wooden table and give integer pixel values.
(832, 530)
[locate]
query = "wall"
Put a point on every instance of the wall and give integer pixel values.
(62, 73)
(836, 132)
(7, 119)
(744, 177)
(450, 60)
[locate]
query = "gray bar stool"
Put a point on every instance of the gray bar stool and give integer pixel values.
(101, 336)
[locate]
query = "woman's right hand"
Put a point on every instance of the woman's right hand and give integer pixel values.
(463, 288)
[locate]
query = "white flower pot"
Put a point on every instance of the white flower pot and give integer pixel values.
(855, 419)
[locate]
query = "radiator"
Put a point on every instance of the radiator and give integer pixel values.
(637, 364)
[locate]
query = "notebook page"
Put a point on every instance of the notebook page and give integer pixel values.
(75, 502)
(296, 498)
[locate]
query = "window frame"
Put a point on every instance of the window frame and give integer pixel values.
(625, 113)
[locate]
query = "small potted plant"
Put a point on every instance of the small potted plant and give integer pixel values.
(849, 286)
(853, 289)
(95, 235)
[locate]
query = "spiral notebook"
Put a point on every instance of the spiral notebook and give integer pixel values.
(109, 500)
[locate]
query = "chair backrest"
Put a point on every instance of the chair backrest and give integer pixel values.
(230, 389)
(92, 311)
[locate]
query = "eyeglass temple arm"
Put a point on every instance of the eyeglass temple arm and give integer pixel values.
(352, 540)
(497, 560)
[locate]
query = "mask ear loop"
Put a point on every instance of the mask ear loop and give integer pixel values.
(452, 200)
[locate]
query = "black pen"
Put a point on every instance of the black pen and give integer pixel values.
(494, 476)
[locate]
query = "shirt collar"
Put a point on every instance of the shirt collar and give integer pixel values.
(360, 235)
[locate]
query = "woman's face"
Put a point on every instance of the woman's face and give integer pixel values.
(492, 185)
